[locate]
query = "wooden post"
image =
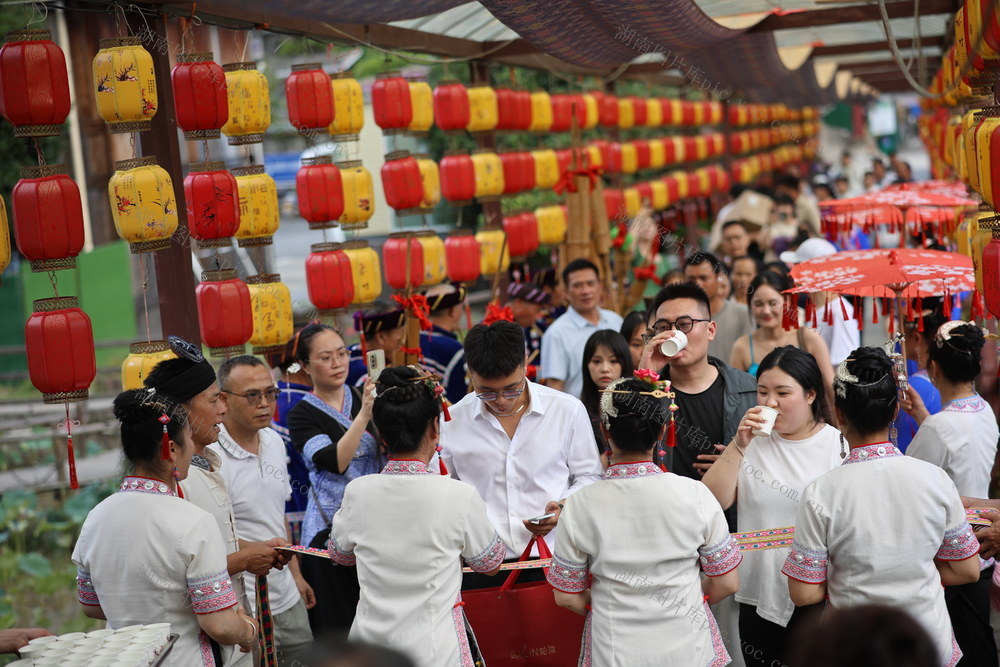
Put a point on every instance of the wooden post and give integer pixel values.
(174, 270)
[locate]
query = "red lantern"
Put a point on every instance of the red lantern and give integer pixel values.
(522, 234)
(451, 106)
(611, 154)
(391, 103)
(225, 316)
(639, 111)
(614, 204)
(564, 108)
(668, 110)
(401, 182)
(458, 178)
(34, 85)
(59, 342)
(200, 96)
(687, 113)
(645, 191)
(329, 278)
(48, 218)
(213, 204)
(673, 189)
(607, 111)
(513, 110)
(400, 250)
(669, 150)
(518, 172)
(991, 275)
(564, 157)
(642, 153)
(310, 97)
(461, 254)
(693, 184)
(320, 191)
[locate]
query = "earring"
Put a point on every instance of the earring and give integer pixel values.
(177, 477)
(893, 435)
(843, 447)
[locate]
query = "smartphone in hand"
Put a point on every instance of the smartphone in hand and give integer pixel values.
(376, 362)
(538, 519)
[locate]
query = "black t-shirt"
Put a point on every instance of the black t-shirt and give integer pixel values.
(699, 427)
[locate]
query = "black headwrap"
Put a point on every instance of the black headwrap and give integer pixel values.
(183, 378)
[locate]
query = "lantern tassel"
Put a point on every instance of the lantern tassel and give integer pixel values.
(74, 483)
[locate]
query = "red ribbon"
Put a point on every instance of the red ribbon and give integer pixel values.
(495, 312)
(417, 305)
(567, 182)
(619, 239)
(646, 273)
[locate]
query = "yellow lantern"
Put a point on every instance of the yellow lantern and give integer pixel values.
(633, 201)
(348, 107)
(680, 151)
(700, 113)
(551, 224)
(626, 114)
(422, 103)
(594, 158)
(271, 305)
(435, 268)
(682, 184)
(541, 111)
(249, 104)
(490, 243)
(359, 195)
(979, 241)
(704, 180)
(546, 168)
(126, 85)
(489, 174)
(677, 111)
(654, 113)
(259, 214)
(482, 109)
(701, 147)
(983, 165)
(591, 115)
(969, 154)
(657, 153)
(630, 158)
(661, 195)
(714, 113)
(430, 178)
(966, 231)
(143, 204)
(366, 271)
(143, 358)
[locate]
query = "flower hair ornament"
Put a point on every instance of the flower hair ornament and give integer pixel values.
(658, 389)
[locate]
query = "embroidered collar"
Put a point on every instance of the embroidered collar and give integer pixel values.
(317, 402)
(631, 470)
(199, 461)
(876, 450)
(405, 467)
(133, 484)
(973, 403)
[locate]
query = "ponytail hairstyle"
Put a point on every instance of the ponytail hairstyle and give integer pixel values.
(404, 408)
(865, 390)
(139, 411)
(633, 419)
(956, 349)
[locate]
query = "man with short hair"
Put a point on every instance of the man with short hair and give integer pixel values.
(524, 446)
(735, 240)
(254, 469)
(381, 328)
(806, 209)
(731, 318)
(526, 302)
(441, 350)
(563, 342)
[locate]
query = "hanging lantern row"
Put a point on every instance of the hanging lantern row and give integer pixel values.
(664, 192)
(741, 115)
(744, 170)
(34, 84)
(748, 141)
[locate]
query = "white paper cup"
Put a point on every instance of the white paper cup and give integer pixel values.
(42, 640)
(21, 663)
(162, 628)
(768, 415)
(672, 346)
(128, 630)
(103, 633)
(71, 636)
(33, 650)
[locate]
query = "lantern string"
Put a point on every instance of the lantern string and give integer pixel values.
(131, 142)
(145, 286)
(55, 283)
(39, 152)
(204, 149)
(37, 13)
(243, 52)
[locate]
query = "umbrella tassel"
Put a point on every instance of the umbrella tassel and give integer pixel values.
(843, 308)
(827, 314)
(786, 318)
(874, 311)
(810, 311)
(946, 305)
(859, 312)
(909, 310)
(920, 317)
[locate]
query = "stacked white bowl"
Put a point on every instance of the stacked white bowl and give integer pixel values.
(132, 646)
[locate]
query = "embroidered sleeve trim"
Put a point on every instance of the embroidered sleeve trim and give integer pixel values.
(491, 557)
(958, 544)
(338, 555)
(720, 558)
(806, 565)
(314, 444)
(211, 594)
(85, 590)
(567, 576)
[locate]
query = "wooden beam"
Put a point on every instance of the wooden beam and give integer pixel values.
(865, 47)
(784, 20)
(882, 65)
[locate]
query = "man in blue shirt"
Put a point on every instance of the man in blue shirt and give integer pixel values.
(441, 351)
(381, 328)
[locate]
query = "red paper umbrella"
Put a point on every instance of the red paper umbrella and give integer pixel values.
(310, 97)
(213, 204)
(34, 85)
(458, 178)
(225, 314)
(329, 278)
(59, 342)
(48, 218)
(461, 251)
(404, 190)
(391, 102)
(451, 106)
(200, 96)
(402, 250)
(320, 189)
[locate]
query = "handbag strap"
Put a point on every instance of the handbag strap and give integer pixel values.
(543, 552)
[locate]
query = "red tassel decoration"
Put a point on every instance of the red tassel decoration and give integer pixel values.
(843, 307)
(828, 314)
(810, 311)
(786, 318)
(886, 308)
(874, 311)
(672, 433)
(920, 315)
(946, 305)
(70, 454)
(444, 408)
(909, 310)
(165, 438)
(441, 466)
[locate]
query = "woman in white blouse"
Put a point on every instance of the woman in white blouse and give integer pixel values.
(961, 439)
(633, 546)
(407, 530)
(883, 528)
(146, 555)
(765, 476)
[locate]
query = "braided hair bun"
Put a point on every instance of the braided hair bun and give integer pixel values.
(958, 357)
(640, 417)
(867, 397)
(139, 411)
(404, 408)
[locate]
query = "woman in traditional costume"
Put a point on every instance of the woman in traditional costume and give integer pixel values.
(408, 529)
(146, 555)
(633, 546)
(883, 528)
(765, 476)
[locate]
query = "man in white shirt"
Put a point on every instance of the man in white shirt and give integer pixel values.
(732, 319)
(562, 343)
(525, 447)
(255, 471)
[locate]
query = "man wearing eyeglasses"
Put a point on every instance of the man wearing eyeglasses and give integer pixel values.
(525, 447)
(255, 471)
